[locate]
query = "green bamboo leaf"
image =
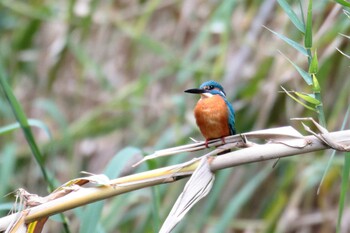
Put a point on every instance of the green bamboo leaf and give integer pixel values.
(343, 3)
(292, 15)
(305, 75)
(313, 68)
(302, 12)
(308, 98)
(23, 121)
(91, 215)
(298, 101)
(31, 122)
(315, 84)
(308, 32)
(292, 43)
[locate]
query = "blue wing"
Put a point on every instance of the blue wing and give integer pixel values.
(231, 112)
(231, 118)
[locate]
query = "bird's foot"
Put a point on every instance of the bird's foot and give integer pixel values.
(206, 143)
(223, 140)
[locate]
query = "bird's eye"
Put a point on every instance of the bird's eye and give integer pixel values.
(211, 87)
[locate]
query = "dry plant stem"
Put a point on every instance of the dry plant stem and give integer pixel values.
(83, 196)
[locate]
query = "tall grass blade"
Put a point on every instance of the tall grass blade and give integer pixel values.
(292, 15)
(90, 218)
(31, 122)
(292, 43)
(23, 121)
(343, 3)
(305, 75)
(155, 208)
(308, 32)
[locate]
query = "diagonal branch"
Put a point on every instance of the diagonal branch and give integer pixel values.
(80, 195)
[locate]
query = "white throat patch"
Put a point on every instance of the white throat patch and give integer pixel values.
(206, 95)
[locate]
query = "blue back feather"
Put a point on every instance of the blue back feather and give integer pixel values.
(221, 92)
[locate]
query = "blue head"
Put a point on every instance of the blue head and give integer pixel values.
(210, 87)
(213, 88)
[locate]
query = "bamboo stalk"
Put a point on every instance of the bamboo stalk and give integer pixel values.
(82, 196)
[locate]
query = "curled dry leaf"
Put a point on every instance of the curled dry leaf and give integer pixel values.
(197, 187)
(324, 136)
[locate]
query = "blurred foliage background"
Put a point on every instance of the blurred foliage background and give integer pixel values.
(107, 79)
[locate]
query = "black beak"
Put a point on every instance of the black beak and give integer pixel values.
(196, 91)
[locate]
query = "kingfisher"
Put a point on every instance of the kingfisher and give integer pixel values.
(214, 115)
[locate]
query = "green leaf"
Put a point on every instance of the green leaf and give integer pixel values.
(308, 98)
(22, 120)
(308, 32)
(313, 68)
(298, 101)
(301, 12)
(315, 84)
(292, 15)
(292, 43)
(343, 3)
(120, 161)
(305, 75)
(90, 218)
(31, 122)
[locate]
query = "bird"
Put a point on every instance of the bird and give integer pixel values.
(214, 114)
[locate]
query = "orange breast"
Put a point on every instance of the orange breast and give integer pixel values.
(212, 117)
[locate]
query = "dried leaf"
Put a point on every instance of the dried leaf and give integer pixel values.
(100, 179)
(324, 136)
(197, 187)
